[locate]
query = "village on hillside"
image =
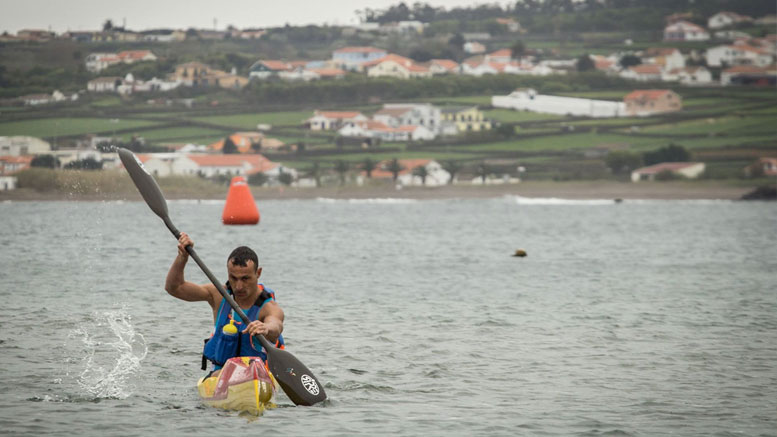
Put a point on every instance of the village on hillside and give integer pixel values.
(722, 57)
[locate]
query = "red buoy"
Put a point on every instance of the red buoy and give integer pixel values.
(240, 208)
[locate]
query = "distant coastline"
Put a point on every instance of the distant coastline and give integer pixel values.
(539, 189)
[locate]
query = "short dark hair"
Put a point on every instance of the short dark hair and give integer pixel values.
(241, 255)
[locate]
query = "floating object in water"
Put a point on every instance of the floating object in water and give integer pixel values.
(520, 252)
(240, 208)
(618, 200)
(244, 385)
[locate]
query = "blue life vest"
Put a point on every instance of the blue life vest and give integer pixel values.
(221, 347)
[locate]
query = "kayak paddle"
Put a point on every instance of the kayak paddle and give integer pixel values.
(299, 383)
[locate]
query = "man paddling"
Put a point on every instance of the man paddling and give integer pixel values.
(255, 300)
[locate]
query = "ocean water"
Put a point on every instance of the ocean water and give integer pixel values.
(636, 319)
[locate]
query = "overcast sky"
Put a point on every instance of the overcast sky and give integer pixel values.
(63, 15)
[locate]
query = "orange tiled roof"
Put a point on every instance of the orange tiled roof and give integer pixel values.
(242, 141)
(328, 72)
(401, 60)
(276, 65)
(445, 63)
(338, 114)
(408, 164)
(501, 53)
(646, 69)
(646, 94)
(394, 112)
(255, 161)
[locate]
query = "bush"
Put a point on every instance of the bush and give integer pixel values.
(257, 179)
(45, 161)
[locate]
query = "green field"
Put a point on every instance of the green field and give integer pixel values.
(54, 127)
(511, 116)
(249, 121)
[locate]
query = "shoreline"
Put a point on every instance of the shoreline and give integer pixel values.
(577, 190)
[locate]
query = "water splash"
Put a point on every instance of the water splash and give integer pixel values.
(104, 355)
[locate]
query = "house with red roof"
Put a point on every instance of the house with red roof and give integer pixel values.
(685, 31)
(395, 66)
(739, 54)
(762, 167)
(97, 62)
(697, 75)
(334, 120)
(352, 58)
(408, 176)
(749, 75)
(443, 66)
(263, 69)
(245, 142)
(668, 58)
(727, 19)
(648, 102)
(689, 170)
(642, 72)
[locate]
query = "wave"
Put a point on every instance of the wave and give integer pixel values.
(558, 201)
(377, 200)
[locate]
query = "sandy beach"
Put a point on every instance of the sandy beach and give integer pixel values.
(539, 189)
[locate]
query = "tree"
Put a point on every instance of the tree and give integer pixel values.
(483, 171)
(84, 164)
(457, 41)
(623, 161)
(452, 167)
(368, 165)
(285, 178)
(585, 63)
(257, 179)
(629, 61)
(342, 167)
(229, 147)
(518, 50)
(505, 130)
(45, 161)
(395, 168)
(670, 153)
(422, 173)
(315, 173)
(107, 25)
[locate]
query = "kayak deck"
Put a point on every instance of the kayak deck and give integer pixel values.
(244, 385)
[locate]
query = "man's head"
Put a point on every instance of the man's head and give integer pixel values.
(244, 271)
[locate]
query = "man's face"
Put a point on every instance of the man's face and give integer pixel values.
(243, 279)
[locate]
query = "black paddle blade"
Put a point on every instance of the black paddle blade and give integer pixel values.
(146, 184)
(296, 380)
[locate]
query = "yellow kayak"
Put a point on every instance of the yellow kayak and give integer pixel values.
(244, 385)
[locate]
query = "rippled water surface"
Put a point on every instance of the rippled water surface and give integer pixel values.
(639, 318)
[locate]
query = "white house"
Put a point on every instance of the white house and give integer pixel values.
(435, 174)
(106, 84)
(23, 145)
(726, 19)
(688, 76)
(7, 183)
(352, 58)
(527, 99)
(404, 114)
(690, 170)
(333, 120)
(738, 54)
(668, 58)
(685, 31)
(642, 73)
(395, 66)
